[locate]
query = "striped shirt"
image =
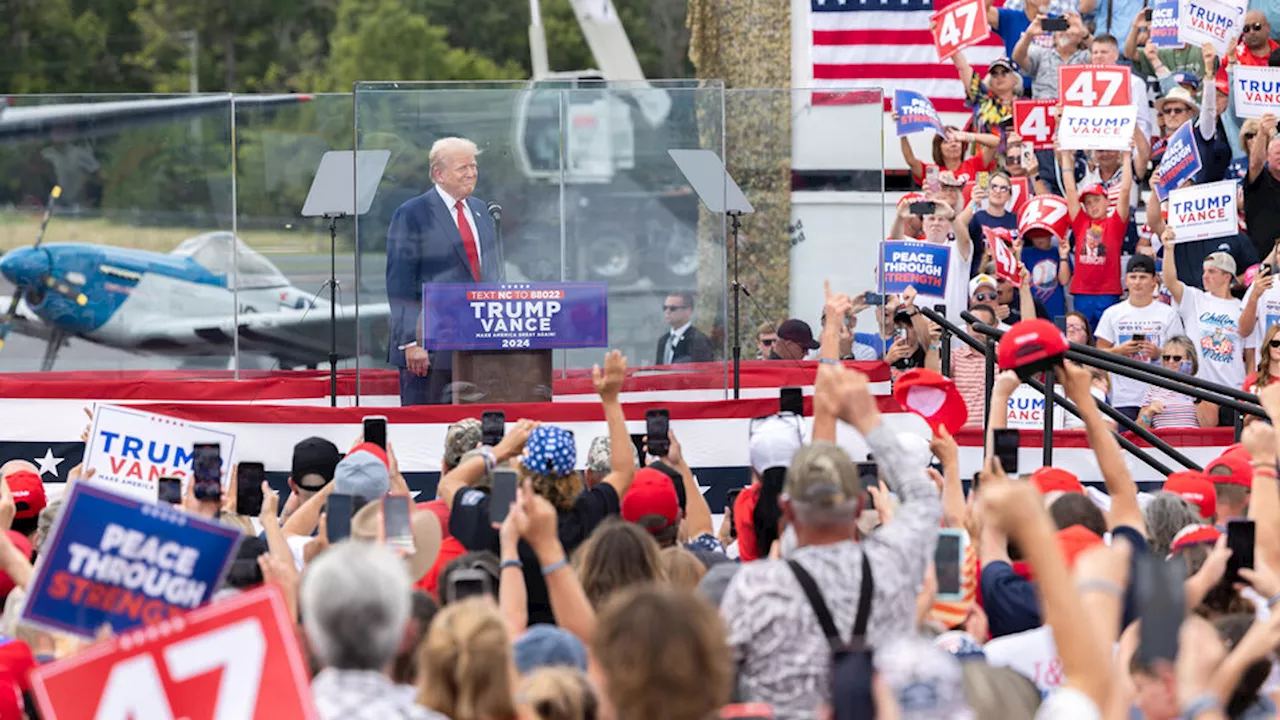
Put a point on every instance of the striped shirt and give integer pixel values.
(969, 371)
(1179, 410)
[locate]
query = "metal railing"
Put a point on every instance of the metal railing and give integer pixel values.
(1238, 400)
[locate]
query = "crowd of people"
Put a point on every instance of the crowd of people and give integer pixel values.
(1091, 239)
(609, 592)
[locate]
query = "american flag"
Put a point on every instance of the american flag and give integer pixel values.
(887, 44)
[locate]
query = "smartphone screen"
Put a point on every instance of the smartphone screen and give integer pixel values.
(171, 490)
(869, 476)
(206, 462)
(922, 208)
(1139, 337)
(338, 514)
(249, 477)
(1028, 153)
(1240, 539)
(1006, 445)
(1162, 606)
(657, 423)
(1061, 322)
(948, 559)
(503, 494)
(1146, 14)
(874, 299)
(791, 399)
(375, 430)
(395, 521)
(493, 426)
(1054, 24)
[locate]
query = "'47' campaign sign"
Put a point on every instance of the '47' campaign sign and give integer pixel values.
(238, 659)
(1093, 85)
(526, 316)
(116, 561)
(958, 26)
(1036, 121)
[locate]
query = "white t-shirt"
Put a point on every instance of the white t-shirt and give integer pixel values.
(1031, 653)
(1213, 324)
(1119, 324)
(1268, 314)
(956, 293)
(1068, 704)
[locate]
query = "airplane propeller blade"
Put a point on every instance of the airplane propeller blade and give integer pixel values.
(6, 322)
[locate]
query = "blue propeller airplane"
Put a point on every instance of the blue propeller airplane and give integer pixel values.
(181, 303)
(177, 304)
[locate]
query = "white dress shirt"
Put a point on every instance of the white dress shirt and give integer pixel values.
(673, 340)
(452, 204)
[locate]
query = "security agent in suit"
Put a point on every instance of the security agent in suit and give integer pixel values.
(684, 342)
(441, 236)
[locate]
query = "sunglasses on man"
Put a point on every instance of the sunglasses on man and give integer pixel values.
(1254, 27)
(984, 297)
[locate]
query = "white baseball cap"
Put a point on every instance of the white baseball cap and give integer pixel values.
(774, 441)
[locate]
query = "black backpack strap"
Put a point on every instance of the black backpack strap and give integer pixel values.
(864, 604)
(819, 605)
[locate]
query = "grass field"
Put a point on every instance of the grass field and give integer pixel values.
(18, 229)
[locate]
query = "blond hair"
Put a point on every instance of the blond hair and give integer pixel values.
(448, 146)
(465, 670)
(559, 693)
(683, 569)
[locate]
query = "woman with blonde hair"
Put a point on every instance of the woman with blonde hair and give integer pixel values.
(618, 555)
(683, 569)
(465, 666)
(560, 694)
(1162, 408)
(1268, 361)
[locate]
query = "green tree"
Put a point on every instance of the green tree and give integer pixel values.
(500, 29)
(386, 40)
(51, 48)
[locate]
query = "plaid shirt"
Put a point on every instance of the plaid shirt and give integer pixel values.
(364, 695)
(783, 657)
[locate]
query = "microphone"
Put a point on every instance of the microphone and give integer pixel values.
(495, 211)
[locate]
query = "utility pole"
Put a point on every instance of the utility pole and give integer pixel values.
(537, 42)
(192, 39)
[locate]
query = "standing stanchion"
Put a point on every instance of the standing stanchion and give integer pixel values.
(945, 350)
(990, 382)
(1048, 417)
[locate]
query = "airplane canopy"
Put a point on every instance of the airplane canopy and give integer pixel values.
(214, 251)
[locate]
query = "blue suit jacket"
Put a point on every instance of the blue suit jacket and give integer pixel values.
(424, 246)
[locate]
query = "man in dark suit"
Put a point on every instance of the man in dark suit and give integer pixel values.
(441, 236)
(684, 342)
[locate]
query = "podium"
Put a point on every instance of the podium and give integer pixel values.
(501, 376)
(502, 335)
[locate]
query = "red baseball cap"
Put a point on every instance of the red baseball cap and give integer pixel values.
(1094, 189)
(1240, 464)
(28, 493)
(1194, 535)
(21, 542)
(1195, 488)
(651, 493)
(1031, 346)
(373, 450)
(1074, 540)
(933, 397)
(1052, 479)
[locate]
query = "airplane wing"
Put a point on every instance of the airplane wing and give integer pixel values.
(296, 337)
(78, 120)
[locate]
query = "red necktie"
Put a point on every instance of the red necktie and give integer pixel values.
(469, 241)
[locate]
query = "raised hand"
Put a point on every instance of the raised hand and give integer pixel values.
(609, 382)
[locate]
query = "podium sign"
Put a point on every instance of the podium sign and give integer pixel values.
(523, 316)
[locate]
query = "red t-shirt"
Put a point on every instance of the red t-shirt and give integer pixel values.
(1098, 245)
(968, 170)
(1245, 56)
(1251, 383)
(743, 508)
